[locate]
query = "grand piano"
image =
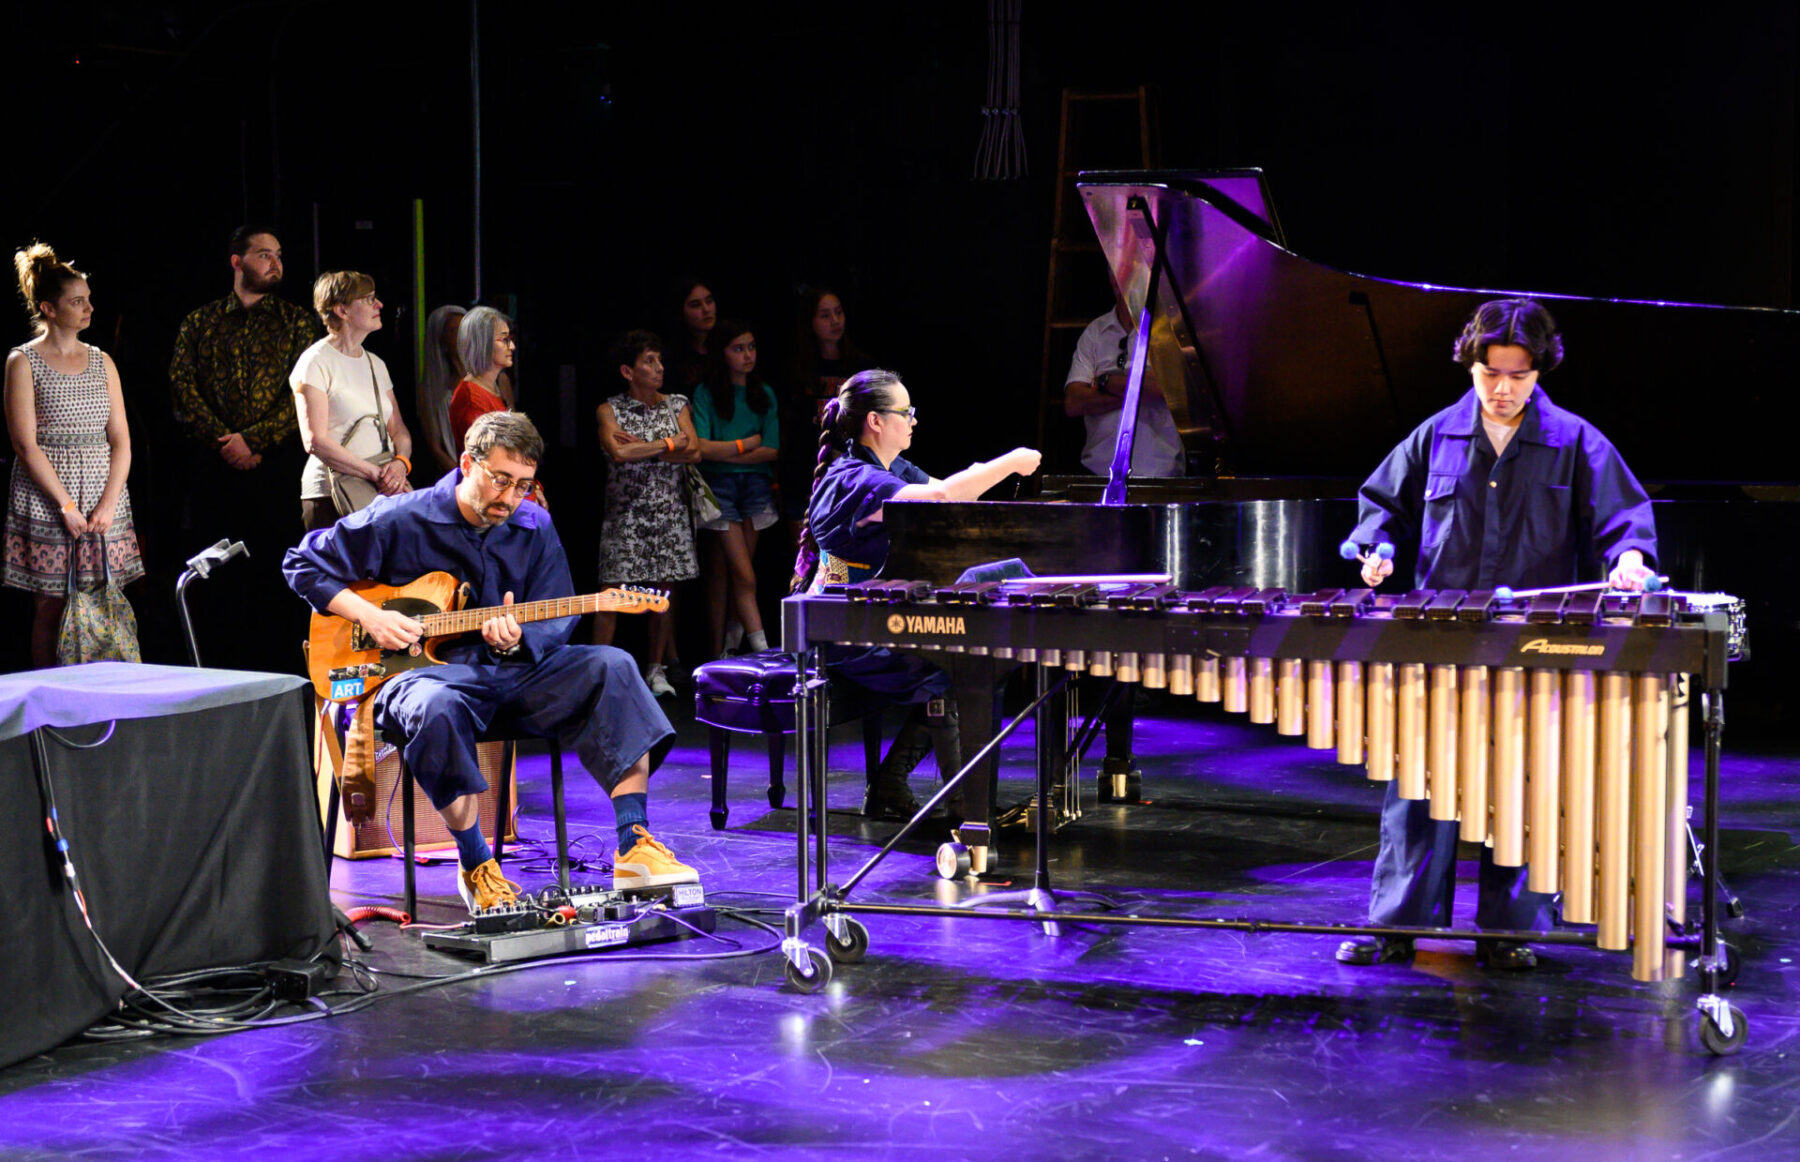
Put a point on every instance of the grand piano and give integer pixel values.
(1289, 380)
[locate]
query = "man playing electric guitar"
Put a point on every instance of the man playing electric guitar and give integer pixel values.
(473, 525)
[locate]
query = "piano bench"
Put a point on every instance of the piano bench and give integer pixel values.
(754, 694)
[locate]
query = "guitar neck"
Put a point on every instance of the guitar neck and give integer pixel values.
(469, 620)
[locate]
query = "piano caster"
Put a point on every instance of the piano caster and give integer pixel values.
(1120, 782)
(956, 860)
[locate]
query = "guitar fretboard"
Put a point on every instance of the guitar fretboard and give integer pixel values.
(468, 620)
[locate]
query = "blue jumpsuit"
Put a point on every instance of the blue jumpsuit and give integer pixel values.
(588, 698)
(854, 548)
(1558, 507)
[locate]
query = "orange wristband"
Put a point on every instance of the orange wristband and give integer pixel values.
(669, 443)
(740, 446)
(404, 461)
(69, 507)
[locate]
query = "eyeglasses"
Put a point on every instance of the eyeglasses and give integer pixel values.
(506, 483)
(911, 413)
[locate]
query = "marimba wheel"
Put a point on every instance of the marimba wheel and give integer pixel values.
(854, 944)
(818, 978)
(1718, 1043)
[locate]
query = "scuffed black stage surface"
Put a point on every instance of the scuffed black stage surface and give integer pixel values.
(973, 1038)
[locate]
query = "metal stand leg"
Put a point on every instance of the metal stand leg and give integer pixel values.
(1722, 1027)
(406, 839)
(561, 817)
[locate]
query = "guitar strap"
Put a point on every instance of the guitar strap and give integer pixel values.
(354, 762)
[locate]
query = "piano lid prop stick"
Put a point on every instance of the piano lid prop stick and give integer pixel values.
(1652, 584)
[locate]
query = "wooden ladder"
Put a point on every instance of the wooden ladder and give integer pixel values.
(1092, 136)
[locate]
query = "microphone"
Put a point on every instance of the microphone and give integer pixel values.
(206, 560)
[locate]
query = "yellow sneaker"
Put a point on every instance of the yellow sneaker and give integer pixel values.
(485, 887)
(649, 864)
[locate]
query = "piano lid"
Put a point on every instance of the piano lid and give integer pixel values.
(1273, 364)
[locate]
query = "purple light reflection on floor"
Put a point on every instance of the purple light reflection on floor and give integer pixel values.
(1100, 1042)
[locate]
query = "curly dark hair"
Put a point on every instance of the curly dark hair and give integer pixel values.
(1511, 323)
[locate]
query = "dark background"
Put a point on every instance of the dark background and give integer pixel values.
(1600, 152)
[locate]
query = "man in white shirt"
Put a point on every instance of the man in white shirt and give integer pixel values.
(1095, 391)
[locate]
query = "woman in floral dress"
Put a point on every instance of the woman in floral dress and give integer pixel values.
(66, 415)
(648, 538)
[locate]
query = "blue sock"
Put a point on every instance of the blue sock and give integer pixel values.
(630, 810)
(472, 848)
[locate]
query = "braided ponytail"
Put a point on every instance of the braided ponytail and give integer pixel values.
(839, 427)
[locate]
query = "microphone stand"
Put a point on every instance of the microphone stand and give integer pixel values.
(201, 565)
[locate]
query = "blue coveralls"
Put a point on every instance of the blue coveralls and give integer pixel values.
(854, 486)
(590, 699)
(1558, 507)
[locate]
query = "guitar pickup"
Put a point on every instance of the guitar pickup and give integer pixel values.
(365, 670)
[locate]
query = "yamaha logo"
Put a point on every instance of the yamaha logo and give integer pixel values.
(1541, 645)
(899, 624)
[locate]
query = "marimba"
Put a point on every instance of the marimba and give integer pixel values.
(1552, 727)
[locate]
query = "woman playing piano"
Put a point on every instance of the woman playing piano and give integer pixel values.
(860, 468)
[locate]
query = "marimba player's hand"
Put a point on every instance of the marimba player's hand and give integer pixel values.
(1630, 573)
(1376, 569)
(502, 633)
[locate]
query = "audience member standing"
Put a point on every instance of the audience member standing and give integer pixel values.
(228, 387)
(66, 415)
(345, 398)
(648, 538)
(688, 345)
(824, 357)
(737, 420)
(443, 371)
(485, 348)
(1095, 391)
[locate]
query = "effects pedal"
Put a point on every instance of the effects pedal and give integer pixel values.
(586, 918)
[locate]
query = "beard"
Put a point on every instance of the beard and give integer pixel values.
(260, 285)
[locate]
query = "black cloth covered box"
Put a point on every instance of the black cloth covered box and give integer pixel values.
(187, 800)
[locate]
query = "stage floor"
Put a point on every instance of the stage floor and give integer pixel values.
(983, 1038)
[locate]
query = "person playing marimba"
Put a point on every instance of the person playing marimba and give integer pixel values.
(866, 427)
(1502, 488)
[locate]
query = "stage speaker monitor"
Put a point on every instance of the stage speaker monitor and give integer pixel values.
(382, 835)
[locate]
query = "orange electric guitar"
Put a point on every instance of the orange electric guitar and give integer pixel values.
(344, 662)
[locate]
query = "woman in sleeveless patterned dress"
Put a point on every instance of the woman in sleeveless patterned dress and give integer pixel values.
(648, 537)
(66, 416)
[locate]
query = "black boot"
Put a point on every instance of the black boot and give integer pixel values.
(888, 796)
(945, 729)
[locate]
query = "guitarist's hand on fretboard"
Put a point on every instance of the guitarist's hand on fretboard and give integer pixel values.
(502, 633)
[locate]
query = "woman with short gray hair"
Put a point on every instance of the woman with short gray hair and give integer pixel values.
(484, 343)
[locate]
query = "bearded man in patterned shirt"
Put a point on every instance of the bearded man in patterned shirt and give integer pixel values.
(229, 386)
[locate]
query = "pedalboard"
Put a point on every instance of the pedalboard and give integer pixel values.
(583, 919)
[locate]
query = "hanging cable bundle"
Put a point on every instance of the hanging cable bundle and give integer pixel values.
(1000, 155)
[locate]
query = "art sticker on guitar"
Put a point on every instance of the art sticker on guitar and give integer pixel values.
(344, 662)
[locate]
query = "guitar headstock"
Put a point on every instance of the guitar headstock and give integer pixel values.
(625, 599)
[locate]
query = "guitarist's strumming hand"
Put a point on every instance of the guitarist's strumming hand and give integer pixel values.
(391, 629)
(502, 633)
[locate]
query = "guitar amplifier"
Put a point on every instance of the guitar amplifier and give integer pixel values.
(382, 835)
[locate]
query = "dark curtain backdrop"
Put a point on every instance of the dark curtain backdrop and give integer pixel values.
(1599, 152)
